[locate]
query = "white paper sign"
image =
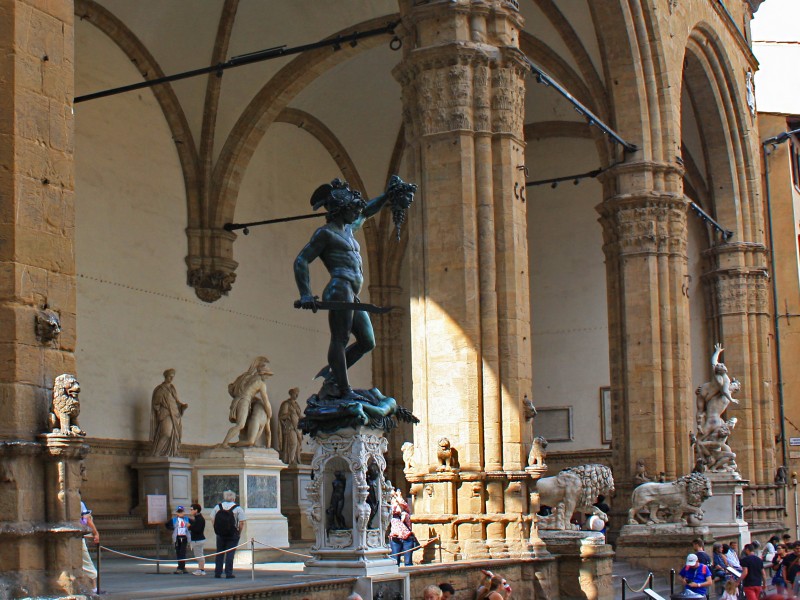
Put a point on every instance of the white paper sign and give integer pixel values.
(794, 441)
(156, 509)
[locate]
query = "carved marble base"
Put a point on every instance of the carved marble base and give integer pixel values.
(170, 476)
(254, 474)
(294, 502)
(584, 563)
(724, 514)
(353, 550)
(658, 547)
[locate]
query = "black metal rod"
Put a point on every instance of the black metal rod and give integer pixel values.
(726, 233)
(577, 177)
(235, 226)
(244, 59)
(671, 582)
(624, 585)
(543, 78)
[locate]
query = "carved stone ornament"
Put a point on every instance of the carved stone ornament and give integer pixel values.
(356, 458)
(573, 490)
(672, 502)
(408, 457)
(640, 475)
(48, 325)
(65, 407)
(538, 452)
(210, 286)
(447, 455)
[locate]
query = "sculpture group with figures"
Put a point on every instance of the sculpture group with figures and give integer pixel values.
(573, 489)
(250, 410)
(713, 398)
(671, 502)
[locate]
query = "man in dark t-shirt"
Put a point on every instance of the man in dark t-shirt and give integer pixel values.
(699, 549)
(752, 573)
(791, 565)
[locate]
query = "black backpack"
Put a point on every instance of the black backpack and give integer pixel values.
(225, 522)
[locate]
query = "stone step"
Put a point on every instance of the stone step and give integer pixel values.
(635, 578)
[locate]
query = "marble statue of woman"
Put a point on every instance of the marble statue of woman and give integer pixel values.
(165, 418)
(290, 438)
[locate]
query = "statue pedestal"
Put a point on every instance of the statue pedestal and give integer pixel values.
(659, 546)
(585, 563)
(724, 510)
(170, 476)
(294, 501)
(345, 543)
(254, 474)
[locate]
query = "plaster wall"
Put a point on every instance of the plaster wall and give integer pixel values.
(137, 316)
(569, 318)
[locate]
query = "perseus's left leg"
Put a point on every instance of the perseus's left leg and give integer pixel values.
(364, 336)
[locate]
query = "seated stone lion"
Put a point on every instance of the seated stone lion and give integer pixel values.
(674, 499)
(66, 407)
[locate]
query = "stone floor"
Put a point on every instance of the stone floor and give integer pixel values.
(127, 579)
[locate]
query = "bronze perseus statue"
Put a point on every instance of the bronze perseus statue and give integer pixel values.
(336, 245)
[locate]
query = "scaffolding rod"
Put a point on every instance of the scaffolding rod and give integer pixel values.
(545, 79)
(253, 57)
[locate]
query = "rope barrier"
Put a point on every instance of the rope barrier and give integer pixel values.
(644, 585)
(282, 550)
(190, 558)
(171, 560)
(396, 554)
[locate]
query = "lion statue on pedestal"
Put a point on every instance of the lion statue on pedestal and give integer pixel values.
(66, 407)
(573, 489)
(673, 500)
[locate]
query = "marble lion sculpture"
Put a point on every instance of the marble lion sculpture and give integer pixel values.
(675, 499)
(538, 452)
(573, 489)
(66, 407)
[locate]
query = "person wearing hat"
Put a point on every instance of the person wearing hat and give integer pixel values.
(335, 244)
(696, 577)
(179, 524)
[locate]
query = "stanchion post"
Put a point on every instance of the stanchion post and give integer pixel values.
(671, 582)
(252, 559)
(624, 585)
(158, 550)
(98, 567)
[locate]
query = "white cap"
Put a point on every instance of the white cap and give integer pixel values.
(691, 560)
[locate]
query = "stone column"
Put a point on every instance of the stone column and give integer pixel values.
(463, 92)
(36, 269)
(645, 244)
(739, 299)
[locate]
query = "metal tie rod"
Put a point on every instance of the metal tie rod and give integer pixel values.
(545, 79)
(726, 233)
(247, 59)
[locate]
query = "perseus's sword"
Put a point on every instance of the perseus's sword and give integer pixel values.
(325, 305)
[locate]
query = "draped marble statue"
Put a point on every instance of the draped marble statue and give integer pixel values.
(290, 438)
(165, 418)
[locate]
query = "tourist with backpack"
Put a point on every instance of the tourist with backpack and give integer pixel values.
(228, 519)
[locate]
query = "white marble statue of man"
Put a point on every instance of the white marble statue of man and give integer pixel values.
(250, 409)
(165, 418)
(290, 438)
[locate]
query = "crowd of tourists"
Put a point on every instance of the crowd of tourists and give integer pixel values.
(754, 573)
